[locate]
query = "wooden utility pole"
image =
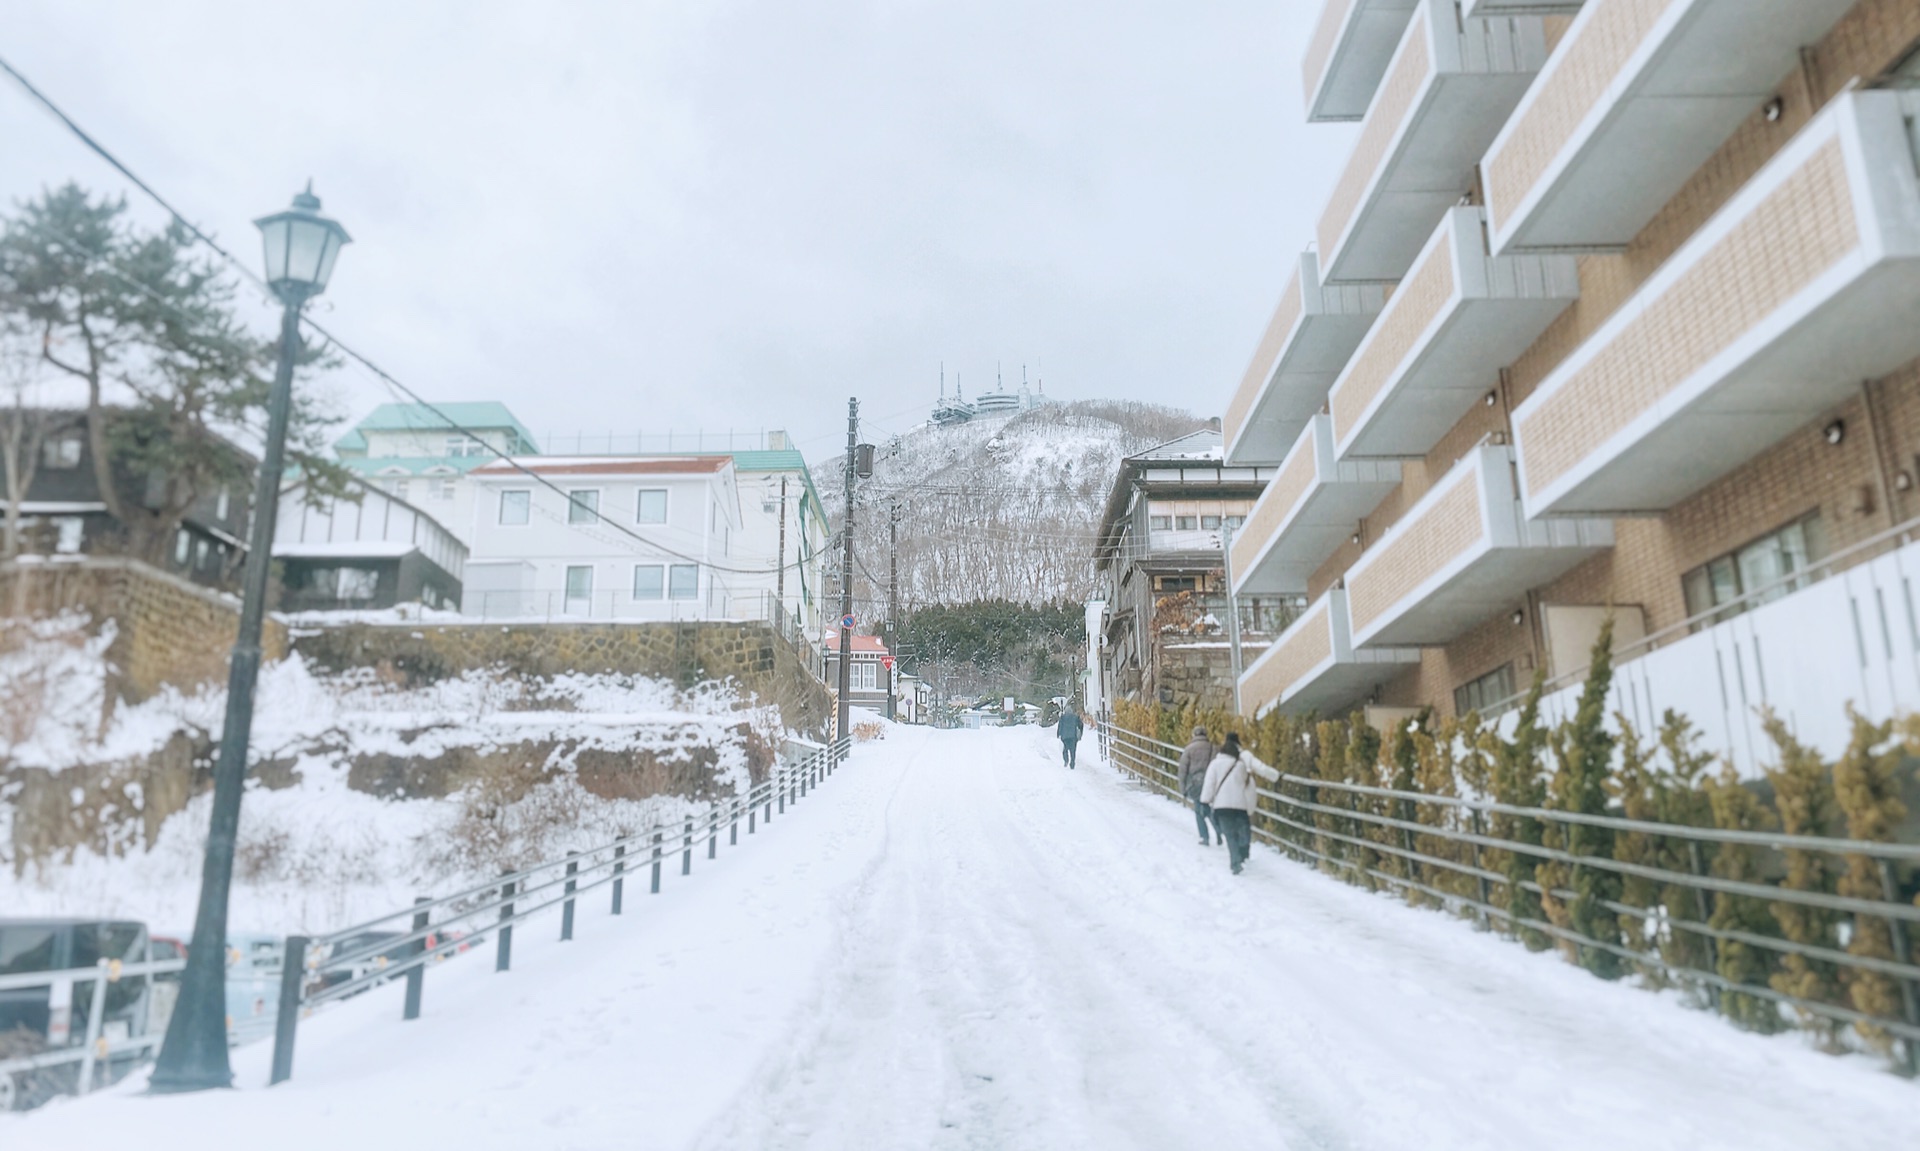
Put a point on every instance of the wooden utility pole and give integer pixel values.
(846, 577)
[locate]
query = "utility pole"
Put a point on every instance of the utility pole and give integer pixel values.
(893, 604)
(780, 573)
(1233, 609)
(846, 576)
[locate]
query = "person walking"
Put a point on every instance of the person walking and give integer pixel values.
(1069, 728)
(1229, 791)
(1193, 773)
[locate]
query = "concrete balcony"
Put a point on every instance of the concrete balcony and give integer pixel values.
(1484, 9)
(1314, 665)
(1437, 350)
(1804, 284)
(1462, 554)
(1638, 95)
(1450, 87)
(1310, 507)
(1351, 47)
(1312, 335)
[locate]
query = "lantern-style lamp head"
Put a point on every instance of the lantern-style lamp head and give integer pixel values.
(301, 246)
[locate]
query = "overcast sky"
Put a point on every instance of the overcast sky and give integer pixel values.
(725, 213)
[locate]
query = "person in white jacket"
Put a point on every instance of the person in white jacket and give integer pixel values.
(1229, 792)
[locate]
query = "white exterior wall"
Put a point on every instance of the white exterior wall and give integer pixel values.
(429, 443)
(455, 512)
(1852, 639)
(345, 527)
(521, 570)
(758, 547)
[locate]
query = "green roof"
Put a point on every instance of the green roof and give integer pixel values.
(478, 415)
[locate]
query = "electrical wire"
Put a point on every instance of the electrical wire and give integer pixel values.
(365, 362)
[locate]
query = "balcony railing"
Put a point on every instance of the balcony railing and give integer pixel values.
(1637, 97)
(1308, 510)
(1805, 284)
(1461, 555)
(1348, 54)
(1437, 350)
(1450, 87)
(1309, 340)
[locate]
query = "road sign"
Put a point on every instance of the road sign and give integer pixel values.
(847, 621)
(887, 662)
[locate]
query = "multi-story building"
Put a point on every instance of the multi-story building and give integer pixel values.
(1610, 313)
(410, 452)
(1157, 558)
(365, 552)
(870, 676)
(625, 538)
(64, 512)
(783, 538)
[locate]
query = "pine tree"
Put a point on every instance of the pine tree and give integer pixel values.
(1866, 786)
(1584, 751)
(1736, 808)
(1803, 798)
(1517, 782)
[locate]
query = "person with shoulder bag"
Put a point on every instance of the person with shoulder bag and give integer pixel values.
(1193, 773)
(1229, 790)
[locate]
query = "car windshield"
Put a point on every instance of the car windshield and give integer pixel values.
(28, 948)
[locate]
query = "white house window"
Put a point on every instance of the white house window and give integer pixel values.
(583, 507)
(1186, 523)
(400, 489)
(199, 554)
(446, 489)
(182, 545)
(1159, 523)
(653, 506)
(1210, 523)
(358, 583)
(72, 530)
(465, 446)
(864, 675)
(61, 453)
(685, 582)
(222, 504)
(579, 588)
(649, 581)
(514, 508)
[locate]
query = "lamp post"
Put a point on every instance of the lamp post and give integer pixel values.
(301, 246)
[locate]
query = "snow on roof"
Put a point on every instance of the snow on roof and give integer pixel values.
(862, 644)
(607, 466)
(345, 549)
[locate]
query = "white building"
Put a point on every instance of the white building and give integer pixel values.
(412, 453)
(629, 538)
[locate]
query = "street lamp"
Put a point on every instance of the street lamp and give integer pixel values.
(300, 246)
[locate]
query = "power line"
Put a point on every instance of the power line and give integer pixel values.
(348, 350)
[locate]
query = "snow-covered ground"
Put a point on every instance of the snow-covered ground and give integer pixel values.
(958, 943)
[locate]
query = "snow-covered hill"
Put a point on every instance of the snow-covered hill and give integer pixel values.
(996, 508)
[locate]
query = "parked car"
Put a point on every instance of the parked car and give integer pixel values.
(337, 968)
(53, 1016)
(253, 985)
(166, 987)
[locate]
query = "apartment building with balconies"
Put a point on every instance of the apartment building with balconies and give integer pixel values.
(1611, 313)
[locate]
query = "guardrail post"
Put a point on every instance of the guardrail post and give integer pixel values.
(1486, 895)
(806, 772)
(566, 908)
(733, 827)
(293, 972)
(503, 945)
(1705, 913)
(417, 974)
(97, 1008)
(1903, 953)
(619, 869)
(779, 795)
(656, 863)
(686, 850)
(753, 813)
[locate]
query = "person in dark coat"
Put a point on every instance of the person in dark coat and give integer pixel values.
(1069, 729)
(1193, 773)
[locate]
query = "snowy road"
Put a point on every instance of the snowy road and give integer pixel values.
(959, 944)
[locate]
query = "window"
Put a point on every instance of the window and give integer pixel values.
(653, 506)
(1762, 569)
(1186, 523)
(400, 489)
(1175, 583)
(1210, 523)
(1236, 522)
(579, 588)
(222, 504)
(649, 581)
(865, 675)
(685, 582)
(583, 507)
(465, 446)
(357, 583)
(61, 453)
(514, 508)
(1159, 523)
(446, 489)
(199, 555)
(1480, 694)
(182, 542)
(72, 530)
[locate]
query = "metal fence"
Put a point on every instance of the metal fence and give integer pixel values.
(1458, 854)
(96, 1050)
(402, 943)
